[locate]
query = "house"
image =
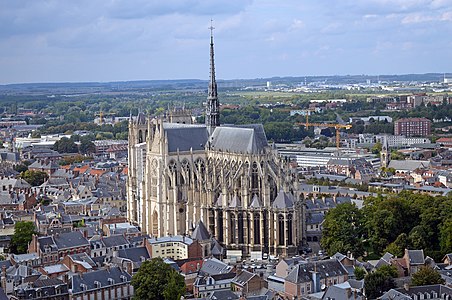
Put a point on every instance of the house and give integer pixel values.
(51, 288)
(111, 283)
(246, 283)
(79, 263)
(46, 165)
(105, 246)
(53, 248)
(349, 290)
(175, 247)
(307, 278)
(214, 275)
(414, 260)
(436, 291)
(130, 259)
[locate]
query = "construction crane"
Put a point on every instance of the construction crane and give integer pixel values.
(328, 125)
(101, 115)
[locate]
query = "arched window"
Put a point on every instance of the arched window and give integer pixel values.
(257, 229)
(280, 230)
(232, 229)
(220, 226)
(289, 229)
(240, 228)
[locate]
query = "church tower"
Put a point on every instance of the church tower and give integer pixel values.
(213, 106)
(384, 154)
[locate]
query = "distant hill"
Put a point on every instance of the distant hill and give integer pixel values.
(149, 85)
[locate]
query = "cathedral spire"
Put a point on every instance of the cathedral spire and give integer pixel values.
(212, 107)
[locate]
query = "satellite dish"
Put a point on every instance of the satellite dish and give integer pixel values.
(323, 287)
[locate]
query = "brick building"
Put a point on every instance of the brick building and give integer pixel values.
(413, 127)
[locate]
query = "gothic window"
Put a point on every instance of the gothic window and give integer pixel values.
(155, 223)
(289, 229)
(254, 177)
(265, 229)
(232, 229)
(240, 228)
(280, 230)
(140, 136)
(220, 226)
(172, 166)
(257, 228)
(248, 228)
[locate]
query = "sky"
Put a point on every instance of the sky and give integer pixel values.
(117, 40)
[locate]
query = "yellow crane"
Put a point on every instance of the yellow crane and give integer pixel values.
(329, 125)
(101, 115)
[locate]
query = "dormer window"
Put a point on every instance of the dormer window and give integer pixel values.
(111, 281)
(123, 278)
(83, 287)
(97, 284)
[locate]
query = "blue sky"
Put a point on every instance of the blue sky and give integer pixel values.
(112, 40)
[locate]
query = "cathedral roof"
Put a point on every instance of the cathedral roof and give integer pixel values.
(141, 118)
(240, 139)
(235, 202)
(255, 203)
(200, 233)
(185, 136)
(283, 200)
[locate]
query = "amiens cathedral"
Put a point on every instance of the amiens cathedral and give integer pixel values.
(228, 177)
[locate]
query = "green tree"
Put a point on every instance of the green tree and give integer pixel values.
(377, 283)
(87, 147)
(157, 280)
(34, 178)
(376, 149)
(23, 232)
(360, 273)
(388, 270)
(446, 236)
(65, 145)
(342, 230)
(426, 276)
(398, 247)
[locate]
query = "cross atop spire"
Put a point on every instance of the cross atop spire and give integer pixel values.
(211, 30)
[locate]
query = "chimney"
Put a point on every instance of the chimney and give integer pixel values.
(406, 286)
(315, 281)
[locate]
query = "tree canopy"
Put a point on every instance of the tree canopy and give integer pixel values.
(391, 224)
(34, 178)
(426, 276)
(157, 280)
(342, 230)
(23, 233)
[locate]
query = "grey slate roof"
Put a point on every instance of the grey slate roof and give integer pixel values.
(283, 200)
(327, 268)
(70, 240)
(436, 291)
(244, 139)
(235, 202)
(115, 240)
(223, 295)
(200, 233)
(255, 203)
(416, 257)
(101, 276)
(213, 266)
(184, 137)
(243, 278)
(134, 254)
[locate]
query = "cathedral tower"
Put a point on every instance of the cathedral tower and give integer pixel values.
(213, 106)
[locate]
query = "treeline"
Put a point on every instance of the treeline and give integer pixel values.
(391, 224)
